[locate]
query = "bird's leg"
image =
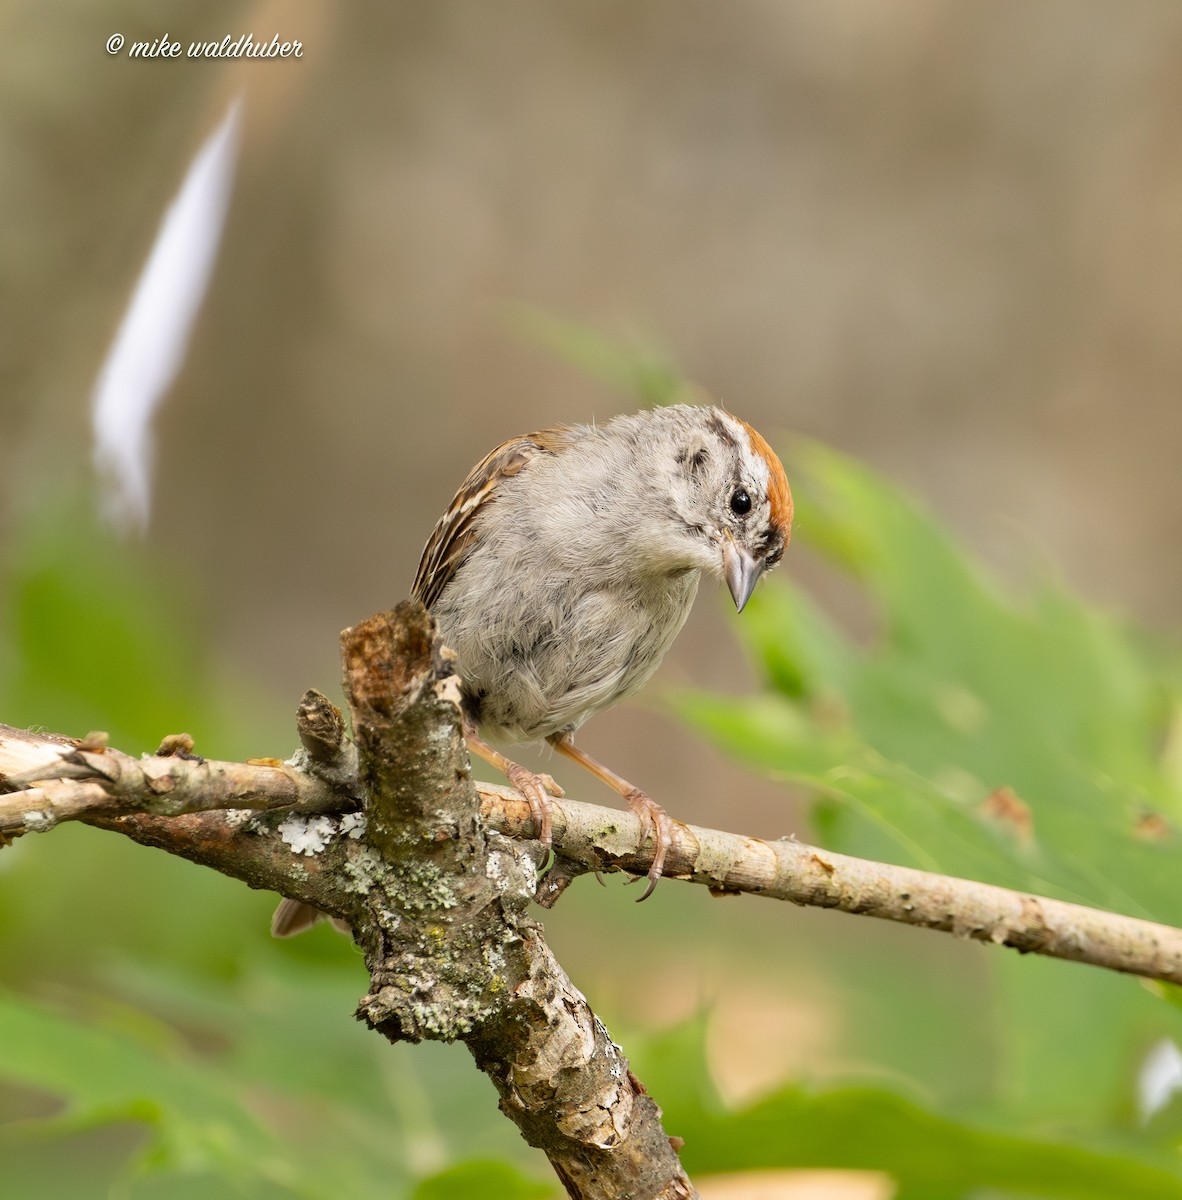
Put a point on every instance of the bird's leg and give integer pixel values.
(537, 789)
(653, 818)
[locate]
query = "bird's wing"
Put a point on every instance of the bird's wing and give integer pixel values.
(451, 540)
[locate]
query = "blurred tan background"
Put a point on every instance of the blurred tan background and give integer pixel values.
(944, 237)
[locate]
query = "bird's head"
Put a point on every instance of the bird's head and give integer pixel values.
(734, 502)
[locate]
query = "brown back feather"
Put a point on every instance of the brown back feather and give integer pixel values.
(451, 540)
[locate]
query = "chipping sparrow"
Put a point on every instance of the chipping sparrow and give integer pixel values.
(568, 561)
(566, 564)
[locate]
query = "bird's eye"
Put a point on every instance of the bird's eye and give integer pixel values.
(740, 502)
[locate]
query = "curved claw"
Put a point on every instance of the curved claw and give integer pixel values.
(533, 788)
(654, 820)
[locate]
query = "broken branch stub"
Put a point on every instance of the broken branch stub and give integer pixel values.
(433, 945)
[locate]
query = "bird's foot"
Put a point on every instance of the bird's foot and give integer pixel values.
(654, 820)
(549, 785)
(538, 791)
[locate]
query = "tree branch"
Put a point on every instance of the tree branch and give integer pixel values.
(434, 876)
(587, 837)
(437, 902)
(599, 839)
(451, 951)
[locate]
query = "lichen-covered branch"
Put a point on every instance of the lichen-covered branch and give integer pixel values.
(434, 875)
(437, 902)
(242, 823)
(451, 950)
(588, 837)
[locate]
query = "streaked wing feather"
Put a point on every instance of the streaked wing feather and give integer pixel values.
(451, 540)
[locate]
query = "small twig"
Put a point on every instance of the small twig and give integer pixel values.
(68, 783)
(321, 726)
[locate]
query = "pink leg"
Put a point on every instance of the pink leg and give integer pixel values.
(653, 818)
(537, 789)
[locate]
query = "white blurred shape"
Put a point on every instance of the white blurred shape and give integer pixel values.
(1159, 1078)
(150, 346)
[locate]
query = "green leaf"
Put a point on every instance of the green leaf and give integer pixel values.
(965, 693)
(929, 1155)
(637, 368)
(870, 1128)
(470, 1179)
(103, 1075)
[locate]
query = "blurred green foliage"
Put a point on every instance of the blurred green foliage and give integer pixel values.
(155, 1042)
(1026, 743)
(637, 367)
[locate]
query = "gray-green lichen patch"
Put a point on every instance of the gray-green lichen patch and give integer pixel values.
(412, 886)
(511, 868)
(301, 760)
(448, 978)
(419, 886)
(447, 999)
(362, 869)
(38, 820)
(440, 993)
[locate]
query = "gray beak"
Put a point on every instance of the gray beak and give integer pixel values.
(742, 572)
